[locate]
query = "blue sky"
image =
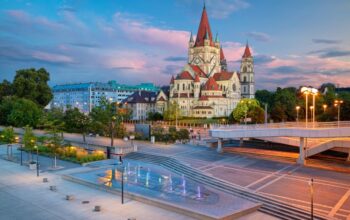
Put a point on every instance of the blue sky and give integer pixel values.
(294, 42)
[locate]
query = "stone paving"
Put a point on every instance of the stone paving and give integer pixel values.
(277, 178)
(25, 196)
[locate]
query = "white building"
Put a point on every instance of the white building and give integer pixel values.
(85, 96)
(204, 87)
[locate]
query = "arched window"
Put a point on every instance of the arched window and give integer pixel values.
(244, 69)
(244, 79)
(183, 86)
(178, 87)
(234, 87)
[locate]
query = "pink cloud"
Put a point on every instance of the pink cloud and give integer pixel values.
(143, 33)
(51, 57)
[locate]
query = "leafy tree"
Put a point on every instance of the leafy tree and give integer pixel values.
(8, 135)
(171, 111)
(55, 144)
(52, 119)
(154, 116)
(284, 102)
(32, 84)
(5, 89)
(249, 108)
(19, 112)
(264, 97)
(29, 140)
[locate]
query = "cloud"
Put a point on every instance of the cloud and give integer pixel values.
(325, 41)
(286, 69)
(259, 36)
(175, 58)
(51, 57)
(330, 52)
(263, 59)
(88, 45)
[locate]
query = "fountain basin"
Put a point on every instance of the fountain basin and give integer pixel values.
(160, 187)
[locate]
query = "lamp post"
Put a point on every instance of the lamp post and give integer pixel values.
(306, 91)
(311, 112)
(311, 184)
(324, 108)
(20, 146)
(297, 108)
(37, 160)
(314, 93)
(337, 103)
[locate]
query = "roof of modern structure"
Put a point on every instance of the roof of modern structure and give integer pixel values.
(204, 31)
(211, 84)
(111, 85)
(247, 52)
(223, 75)
(141, 97)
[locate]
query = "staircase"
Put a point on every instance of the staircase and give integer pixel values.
(269, 206)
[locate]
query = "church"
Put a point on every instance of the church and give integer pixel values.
(205, 88)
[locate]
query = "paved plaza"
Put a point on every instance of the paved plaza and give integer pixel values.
(280, 179)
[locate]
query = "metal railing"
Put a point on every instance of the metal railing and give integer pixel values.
(309, 125)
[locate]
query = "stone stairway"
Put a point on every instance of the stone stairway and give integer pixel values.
(269, 206)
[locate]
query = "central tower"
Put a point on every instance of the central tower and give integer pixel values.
(205, 51)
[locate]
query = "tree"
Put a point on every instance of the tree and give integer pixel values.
(5, 89)
(29, 140)
(172, 111)
(52, 119)
(154, 116)
(55, 143)
(8, 135)
(283, 106)
(249, 108)
(19, 112)
(32, 84)
(76, 121)
(264, 97)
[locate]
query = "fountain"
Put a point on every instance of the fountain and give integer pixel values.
(199, 192)
(147, 177)
(183, 185)
(170, 183)
(138, 170)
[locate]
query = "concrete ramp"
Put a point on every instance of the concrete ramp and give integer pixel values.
(327, 146)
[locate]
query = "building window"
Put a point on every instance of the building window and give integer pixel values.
(183, 86)
(244, 69)
(234, 87)
(244, 89)
(244, 79)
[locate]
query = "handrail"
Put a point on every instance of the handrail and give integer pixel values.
(309, 125)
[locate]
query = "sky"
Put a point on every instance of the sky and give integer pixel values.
(294, 42)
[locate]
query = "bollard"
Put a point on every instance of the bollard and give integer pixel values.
(97, 208)
(53, 188)
(85, 202)
(45, 180)
(69, 197)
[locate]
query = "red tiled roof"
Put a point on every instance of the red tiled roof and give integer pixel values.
(222, 56)
(184, 75)
(172, 80)
(196, 79)
(199, 71)
(203, 28)
(246, 52)
(211, 84)
(161, 99)
(223, 76)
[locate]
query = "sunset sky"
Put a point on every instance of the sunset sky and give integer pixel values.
(294, 42)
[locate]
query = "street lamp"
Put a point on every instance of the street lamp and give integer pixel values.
(337, 103)
(20, 146)
(297, 108)
(324, 108)
(311, 111)
(313, 92)
(37, 160)
(306, 91)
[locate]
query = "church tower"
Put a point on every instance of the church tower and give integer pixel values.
(204, 52)
(247, 74)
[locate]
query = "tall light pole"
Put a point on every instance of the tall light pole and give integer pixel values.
(314, 92)
(297, 108)
(306, 91)
(37, 160)
(337, 103)
(311, 112)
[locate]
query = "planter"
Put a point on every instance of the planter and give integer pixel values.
(32, 165)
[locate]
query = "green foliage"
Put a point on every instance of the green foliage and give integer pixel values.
(171, 135)
(76, 121)
(154, 116)
(55, 141)
(29, 139)
(8, 135)
(249, 108)
(5, 89)
(171, 111)
(19, 112)
(52, 119)
(32, 84)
